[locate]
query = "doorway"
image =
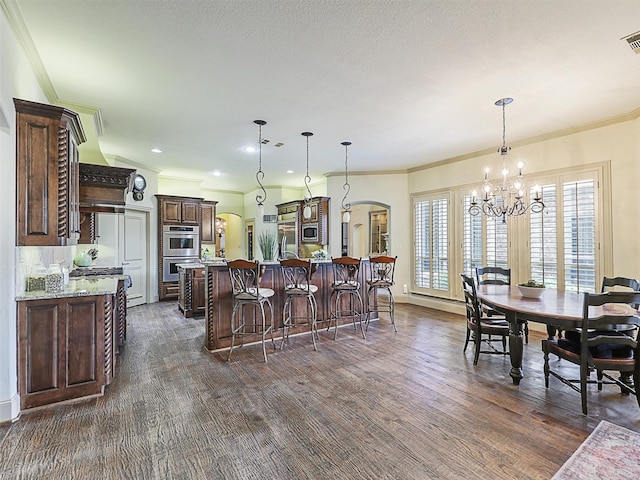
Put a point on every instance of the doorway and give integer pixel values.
(367, 232)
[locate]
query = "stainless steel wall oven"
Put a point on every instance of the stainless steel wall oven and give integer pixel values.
(180, 241)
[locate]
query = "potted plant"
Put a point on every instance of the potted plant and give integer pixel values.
(268, 245)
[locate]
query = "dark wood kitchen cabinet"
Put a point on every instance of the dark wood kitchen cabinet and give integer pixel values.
(62, 347)
(192, 293)
(179, 210)
(208, 222)
(47, 172)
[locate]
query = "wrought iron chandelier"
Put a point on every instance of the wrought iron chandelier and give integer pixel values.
(507, 197)
(306, 212)
(346, 206)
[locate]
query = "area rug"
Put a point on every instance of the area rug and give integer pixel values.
(610, 452)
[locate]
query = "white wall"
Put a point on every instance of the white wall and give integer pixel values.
(618, 143)
(16, 80)
(389, 189)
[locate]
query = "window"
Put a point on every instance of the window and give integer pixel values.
(485, 241)
(544, 240)
(559, 247)
(579, 236)
(472, 239)
(431, 243)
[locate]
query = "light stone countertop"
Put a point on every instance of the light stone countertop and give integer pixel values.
(78, 287)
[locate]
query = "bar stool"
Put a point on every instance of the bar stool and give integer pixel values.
(345, 282)
(381, 270)
(245, 282)
(296, 274)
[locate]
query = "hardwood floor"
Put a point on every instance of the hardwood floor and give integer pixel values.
(394, 406)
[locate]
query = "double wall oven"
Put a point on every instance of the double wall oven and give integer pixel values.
(180, 244)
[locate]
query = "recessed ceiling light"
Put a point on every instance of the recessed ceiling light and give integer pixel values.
(217, 173)
(249, 149)
(289, 171)
(156, 150)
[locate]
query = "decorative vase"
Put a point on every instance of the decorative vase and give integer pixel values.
(83, 259)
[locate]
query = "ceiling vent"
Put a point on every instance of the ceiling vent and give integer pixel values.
(634, 41)
(266, 141)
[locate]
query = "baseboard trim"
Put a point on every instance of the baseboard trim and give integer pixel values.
(10, 409)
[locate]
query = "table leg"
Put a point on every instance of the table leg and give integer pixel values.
(515, 348)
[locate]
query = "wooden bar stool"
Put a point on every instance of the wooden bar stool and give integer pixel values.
(381, 270)
(245, 281)
(296, 274)
(346, 282)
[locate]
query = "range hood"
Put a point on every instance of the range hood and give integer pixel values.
(103, 188)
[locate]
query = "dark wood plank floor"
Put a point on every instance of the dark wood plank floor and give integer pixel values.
(399, 406)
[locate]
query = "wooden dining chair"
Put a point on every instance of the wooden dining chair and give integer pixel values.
(600, 345)
(496, 276)
(481, 328)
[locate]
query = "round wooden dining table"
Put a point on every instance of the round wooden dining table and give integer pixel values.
(555, 308)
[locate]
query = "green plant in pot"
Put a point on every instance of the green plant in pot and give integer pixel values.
(268, 245)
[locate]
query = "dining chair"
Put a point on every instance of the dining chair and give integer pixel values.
(381, 269)
(496, 276)
(296, 275)
(346, 282)
(599, 346)
(479, 325)
(246, 291)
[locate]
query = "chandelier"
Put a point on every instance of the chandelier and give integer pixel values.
(506, 197)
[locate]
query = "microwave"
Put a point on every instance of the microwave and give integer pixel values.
(310, 233)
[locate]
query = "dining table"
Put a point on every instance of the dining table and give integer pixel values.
(556, 308)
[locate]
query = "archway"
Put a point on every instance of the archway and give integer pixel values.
(367, 232)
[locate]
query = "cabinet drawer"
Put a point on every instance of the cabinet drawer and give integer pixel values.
(171, 290)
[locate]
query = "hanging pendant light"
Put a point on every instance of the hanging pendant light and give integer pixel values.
(306, 212)
(346, 206)
(507, 197)
(260, 198)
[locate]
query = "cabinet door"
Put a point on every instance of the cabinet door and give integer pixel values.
(61, 349)
(190, 213)
(314, 213)
(198, 293)
(208, 225)
(171, 211)
(37, 183)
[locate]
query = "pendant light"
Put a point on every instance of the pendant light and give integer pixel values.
(306, 212)
(346, 206)
(505, 198)
(260, 198)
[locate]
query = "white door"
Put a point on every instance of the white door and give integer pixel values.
(134, 255)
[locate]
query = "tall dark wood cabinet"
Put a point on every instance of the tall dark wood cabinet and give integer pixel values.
(47, 171)
(173, 210)
(208, 224)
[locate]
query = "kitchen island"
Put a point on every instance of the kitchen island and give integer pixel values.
(219, 301)
(68, 340)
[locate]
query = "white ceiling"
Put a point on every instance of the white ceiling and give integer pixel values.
(408, 82)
